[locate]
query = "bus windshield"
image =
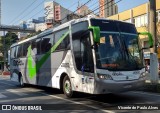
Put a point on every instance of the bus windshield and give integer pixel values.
(118, 50)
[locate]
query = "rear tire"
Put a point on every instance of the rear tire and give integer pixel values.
(67, 87)
(21, 83)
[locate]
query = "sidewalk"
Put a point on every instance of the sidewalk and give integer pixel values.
(2, 77)
(150, 87)
(148, 80)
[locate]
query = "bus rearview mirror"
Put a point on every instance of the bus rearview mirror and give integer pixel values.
(149, 36)
(96, 33)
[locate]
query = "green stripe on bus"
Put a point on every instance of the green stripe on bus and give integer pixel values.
(32, 70)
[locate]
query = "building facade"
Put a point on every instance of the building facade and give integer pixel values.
(55, 13)
(41, 26)
(83, 10)
(140, 17)
(107, 8)
(37, 24)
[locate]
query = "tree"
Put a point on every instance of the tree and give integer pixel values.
(10, 38)
(33, 34)
(158, 30)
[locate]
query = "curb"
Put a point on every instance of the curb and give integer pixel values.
(152, 87)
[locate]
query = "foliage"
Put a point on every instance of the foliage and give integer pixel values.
(33, 34)
(158, 30)
(10, 38)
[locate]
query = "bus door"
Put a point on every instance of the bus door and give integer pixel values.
(84, 59)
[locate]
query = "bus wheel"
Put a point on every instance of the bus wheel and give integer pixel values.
(21, 83)
(67, 88)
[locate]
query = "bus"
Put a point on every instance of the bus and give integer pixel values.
(90, 55)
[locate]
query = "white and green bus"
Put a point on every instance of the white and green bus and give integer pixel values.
(90, 55)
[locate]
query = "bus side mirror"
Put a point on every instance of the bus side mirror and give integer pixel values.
(96, 33)
(149, 36)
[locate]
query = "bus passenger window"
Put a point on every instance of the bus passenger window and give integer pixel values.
(46, 43)
(19, 51)
(25, 48)
(13, 52)
(64, 44)
(38, 46)
(34, 48)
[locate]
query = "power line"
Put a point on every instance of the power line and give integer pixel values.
(95, 3)
(30, 11)
(99, 8)
(112, 5)
(23, 11)
(91, 11)
(0, 12)
(50, 4)
(71, 6)
(96, 8)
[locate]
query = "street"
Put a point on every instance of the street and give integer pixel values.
(11, 93)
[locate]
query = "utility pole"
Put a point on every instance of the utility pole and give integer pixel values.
(0, 12)
(152, 23)
(4, 52)
(4, 43)
(153, 56)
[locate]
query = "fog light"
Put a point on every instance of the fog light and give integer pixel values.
(143, 75)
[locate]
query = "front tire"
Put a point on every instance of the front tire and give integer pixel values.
(67, 87)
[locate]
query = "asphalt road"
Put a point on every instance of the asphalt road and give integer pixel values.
(54, 100)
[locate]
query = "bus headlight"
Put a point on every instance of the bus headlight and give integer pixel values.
(142, 75)
(104, 76)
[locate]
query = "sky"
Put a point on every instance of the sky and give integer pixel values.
(14, 11)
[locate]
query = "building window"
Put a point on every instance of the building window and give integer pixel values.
(158, 16)
(146, 43)
(141, 20)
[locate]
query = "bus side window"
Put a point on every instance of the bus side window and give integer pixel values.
(25, 48)
(64, 44)
(46, 43)
(13, 52)
(38, 46)
(19, 51)
(34, 48)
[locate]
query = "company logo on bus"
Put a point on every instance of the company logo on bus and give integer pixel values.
(117, 74)
(136, 72)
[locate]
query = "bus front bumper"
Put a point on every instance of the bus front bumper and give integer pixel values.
(110, 86)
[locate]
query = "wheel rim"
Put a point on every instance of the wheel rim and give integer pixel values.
(67, 86)
(21, 81)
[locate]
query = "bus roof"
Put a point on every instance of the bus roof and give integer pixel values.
(49, 31)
